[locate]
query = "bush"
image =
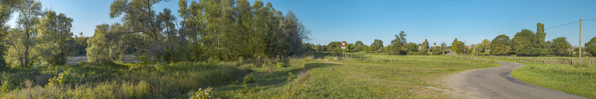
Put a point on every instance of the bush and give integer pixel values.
(207, 93)
(280, 65)
(62, 78)
(248, 79)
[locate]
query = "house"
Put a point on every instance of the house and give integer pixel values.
(472, 46)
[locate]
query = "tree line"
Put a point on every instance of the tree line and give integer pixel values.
(524, 43)
(529, 43)
(205, 30)
(398, 46)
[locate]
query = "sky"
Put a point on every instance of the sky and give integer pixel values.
(366, 20)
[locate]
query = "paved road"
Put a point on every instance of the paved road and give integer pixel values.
(497, 83)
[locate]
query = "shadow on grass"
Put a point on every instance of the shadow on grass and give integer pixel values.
(273, 79)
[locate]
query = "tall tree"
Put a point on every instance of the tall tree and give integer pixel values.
(540, 37)
(591, 46)
(398, 45)
(55, 38)
(376, 45)
(22, 39)
(443, 45)
(457, 46)
(501, 45)
(7, 7)
(358, 46)
(412, 47)
(108, 43)
(561, 46)
(524, 43)
(140, 17)
(425, 47)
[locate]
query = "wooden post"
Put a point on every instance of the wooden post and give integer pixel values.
(580, 41)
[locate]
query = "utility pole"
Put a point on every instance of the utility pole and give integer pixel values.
(580, 42)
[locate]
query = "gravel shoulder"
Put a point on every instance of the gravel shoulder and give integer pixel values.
(497, 83)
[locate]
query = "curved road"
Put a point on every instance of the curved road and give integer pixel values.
(497, 83)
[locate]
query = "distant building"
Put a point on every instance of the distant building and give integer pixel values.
(472, 46)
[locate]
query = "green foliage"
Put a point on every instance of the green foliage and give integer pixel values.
(7, 83)
(482, 48)
(458, 46)
(398, 45)
(130, 81)
(358, 46)
(22, 40)
(501, 45)
(107, 43)
(560, 46)
(250, 78)
(80, 44)
(207, 93)
(65, 77)
(377, 46)
(280, 65)
(412, 47)
(55, 38)
(591, 46)
(527, 43)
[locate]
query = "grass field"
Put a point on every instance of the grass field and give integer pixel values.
(572, 79)
(387, 76)
(318, 76)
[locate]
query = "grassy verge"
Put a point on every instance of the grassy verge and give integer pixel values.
(572, 79)
(388, 76)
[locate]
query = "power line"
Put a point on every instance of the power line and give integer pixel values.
(567, 23)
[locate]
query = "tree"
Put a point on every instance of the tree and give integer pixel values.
(22, 40)
(540, 37)
(591, 46)
(501, 45)
(7, 7)
(525, 43)
(358, 46)
(398, 45)
(55, 38)
(443, 46)
(482, 48)
(376, 45)
(140, 17)
(425, 46)
(412, 47)
(80, 44)
(107, 43)
(457, 46)
(561, 46)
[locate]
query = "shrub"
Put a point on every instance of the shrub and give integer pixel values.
(248, 79)
(280, 65)
(207, 93)
(141, 90)
(62, 78)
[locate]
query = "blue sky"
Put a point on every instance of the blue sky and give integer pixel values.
(366, 20)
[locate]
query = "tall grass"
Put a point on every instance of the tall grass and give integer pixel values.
(93, 80)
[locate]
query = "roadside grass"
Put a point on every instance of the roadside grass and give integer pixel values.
(572, 79)
(390, 77)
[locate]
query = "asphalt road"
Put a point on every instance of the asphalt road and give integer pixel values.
(497, 83)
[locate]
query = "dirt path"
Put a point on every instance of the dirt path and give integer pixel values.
(497, 83)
